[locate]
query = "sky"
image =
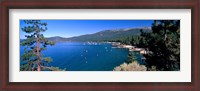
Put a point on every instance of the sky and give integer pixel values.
(71, 28)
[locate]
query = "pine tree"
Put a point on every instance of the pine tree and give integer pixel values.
(131, 57)
(164, 45)
(34, 44)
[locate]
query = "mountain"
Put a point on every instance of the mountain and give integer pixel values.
(105, 35)
(57, 39)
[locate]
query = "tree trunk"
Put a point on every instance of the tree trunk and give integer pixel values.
(165, 32)
(38, 51)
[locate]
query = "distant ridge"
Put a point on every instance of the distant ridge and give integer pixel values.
(57, 39)
(104, 35)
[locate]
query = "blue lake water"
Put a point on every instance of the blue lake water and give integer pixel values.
(76, 56)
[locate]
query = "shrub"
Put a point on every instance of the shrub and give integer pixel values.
(134, 66)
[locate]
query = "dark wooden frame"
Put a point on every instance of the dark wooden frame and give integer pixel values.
(99, 4)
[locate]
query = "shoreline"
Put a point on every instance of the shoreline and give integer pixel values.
(130, 47)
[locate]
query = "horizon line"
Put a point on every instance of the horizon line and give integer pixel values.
(119, 29)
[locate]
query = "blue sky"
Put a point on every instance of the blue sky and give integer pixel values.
(70, 28)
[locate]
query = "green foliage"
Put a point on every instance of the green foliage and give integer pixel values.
(163, 45)
(131, 57)
(46, 68)
(28, 55)
(56, 69)
(47, 59)
(34, 44)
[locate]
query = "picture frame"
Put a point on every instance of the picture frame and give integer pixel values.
(99, 4)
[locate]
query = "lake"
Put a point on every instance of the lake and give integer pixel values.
(79, 56)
